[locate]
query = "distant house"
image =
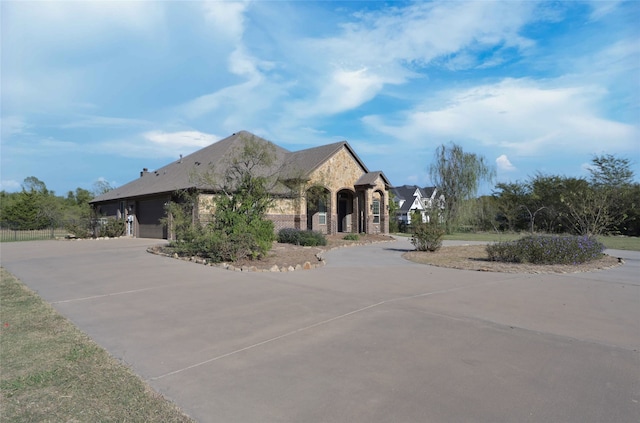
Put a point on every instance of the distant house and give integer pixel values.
(350, 199)
(412, 198)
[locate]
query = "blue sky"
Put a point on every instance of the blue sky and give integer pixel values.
(98, 90)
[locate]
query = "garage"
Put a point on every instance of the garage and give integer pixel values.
(148, 213)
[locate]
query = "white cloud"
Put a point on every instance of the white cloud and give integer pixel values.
(182, 139)
(157, 144)
(602, 8)
(393, 45)
(226, 18)
(344, 91)
(504, 165)
(10, 185)
(528, 117)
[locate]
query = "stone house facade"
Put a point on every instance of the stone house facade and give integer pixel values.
(334, 191)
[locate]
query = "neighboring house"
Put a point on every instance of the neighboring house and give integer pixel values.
(412, 198)
(336, 192)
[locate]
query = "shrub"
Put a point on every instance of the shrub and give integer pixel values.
(351, 237)
(539, 249)
(80, 229)
(304, 238)
(112, 228)
(427, 236)
(289, 236)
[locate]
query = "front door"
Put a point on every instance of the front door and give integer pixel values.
(343, 208)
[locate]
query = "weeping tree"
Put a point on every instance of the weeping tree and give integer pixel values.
(458, 176)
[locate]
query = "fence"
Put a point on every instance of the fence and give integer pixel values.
(8, 233)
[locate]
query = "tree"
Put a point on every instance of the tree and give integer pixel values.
(612, 179)
(33, 184)
(237, 227)
(101, 186)
(511, 197)
(586, 209)
(35, 207)
(610, 171)
(458, 175)
(393, 213)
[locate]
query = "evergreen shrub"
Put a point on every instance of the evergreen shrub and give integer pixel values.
(299, 237)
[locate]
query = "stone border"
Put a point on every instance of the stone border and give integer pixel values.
(228, 266)
(273, 269)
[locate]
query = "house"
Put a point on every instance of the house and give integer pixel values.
(335, 192)
(412, 198)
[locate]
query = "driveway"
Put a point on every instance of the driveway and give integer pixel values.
(369, 337)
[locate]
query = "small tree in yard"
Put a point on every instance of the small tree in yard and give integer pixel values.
(237, 228)
(426, 236)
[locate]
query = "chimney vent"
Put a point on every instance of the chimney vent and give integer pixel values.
(144, 171)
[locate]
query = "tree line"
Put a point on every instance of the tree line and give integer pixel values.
(37, 207)
(606, 202)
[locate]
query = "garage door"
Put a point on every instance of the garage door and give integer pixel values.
(149, 213)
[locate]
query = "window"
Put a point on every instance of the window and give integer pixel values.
(322, 213)
(375, 211)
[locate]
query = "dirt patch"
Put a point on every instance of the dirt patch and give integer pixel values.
(474, 257)
(288, 257)
(285, 257)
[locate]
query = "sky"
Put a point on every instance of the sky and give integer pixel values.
(95, 91)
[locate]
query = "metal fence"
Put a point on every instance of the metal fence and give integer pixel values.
(8, 235)
(11, 231)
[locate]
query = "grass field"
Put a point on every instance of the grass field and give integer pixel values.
(615, 242)
(51, 372)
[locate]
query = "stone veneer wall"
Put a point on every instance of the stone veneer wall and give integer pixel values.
(339, 172)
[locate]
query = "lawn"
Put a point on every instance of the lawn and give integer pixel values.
(614, 242)
(52, 372)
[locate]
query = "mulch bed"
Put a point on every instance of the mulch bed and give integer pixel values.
(474, 257)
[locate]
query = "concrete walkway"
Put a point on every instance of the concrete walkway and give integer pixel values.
(368, 338)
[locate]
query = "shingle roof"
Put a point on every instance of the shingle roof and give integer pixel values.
(178, 175)
(370, 178)
(405, 192)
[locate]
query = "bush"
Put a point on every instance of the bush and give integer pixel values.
(351, 237)
(112, 228)
(304, 238)
(289, 236)
(80, 229)
(427, 236)
(538, 249)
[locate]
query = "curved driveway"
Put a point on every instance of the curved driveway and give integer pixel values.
(367, 338)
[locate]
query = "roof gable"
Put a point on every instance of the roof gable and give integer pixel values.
(179, 174)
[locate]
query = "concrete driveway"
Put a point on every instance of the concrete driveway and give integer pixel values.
(367, 338)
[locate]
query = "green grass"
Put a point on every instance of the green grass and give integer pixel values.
(483, 236)
(621, 242)
(51, 372)
(9, 235)
(614, 242)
